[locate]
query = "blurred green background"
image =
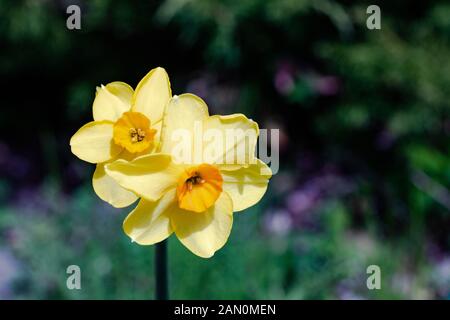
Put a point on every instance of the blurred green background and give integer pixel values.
(364, 145)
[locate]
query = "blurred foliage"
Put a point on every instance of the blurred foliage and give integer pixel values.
(365, 161)
(58, 232)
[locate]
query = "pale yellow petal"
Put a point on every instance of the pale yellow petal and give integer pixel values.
(246, 186)
(157, 139)
(183, 114)
(94, 142)
(148, 176)
(206, 232)
(152, 94)
(231, 142)
(111, 101)
(109, 190)
(149, 222)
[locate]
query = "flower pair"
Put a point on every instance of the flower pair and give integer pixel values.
(148, 144)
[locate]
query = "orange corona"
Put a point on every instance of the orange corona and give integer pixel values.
(199, 187)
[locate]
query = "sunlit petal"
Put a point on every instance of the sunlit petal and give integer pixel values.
(149, 222)
(246, 186)
(94, 142)
(152, 94)
(111, 101)
(148, 176)
(206, 232)
(109, 190)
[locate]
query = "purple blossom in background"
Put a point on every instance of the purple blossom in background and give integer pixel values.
(12, 165)
(200, 86)
(301, 204)
(303, 200)
(39, 200)
(315, 190)
(9, 271)
(75, 172)
(327, 85)
(284, 79)
(30, 199)
(385, 140)
(278, 222)
(220, 97)
(347, 294)
(441, 277)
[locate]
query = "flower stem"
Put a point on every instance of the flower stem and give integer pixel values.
(161, 271)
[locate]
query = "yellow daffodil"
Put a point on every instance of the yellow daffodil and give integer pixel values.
(127, 124)
(195, 199)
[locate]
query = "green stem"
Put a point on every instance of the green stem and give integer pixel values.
(162, 292)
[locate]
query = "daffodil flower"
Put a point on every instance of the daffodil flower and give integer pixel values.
(194, 200)
(127, 124)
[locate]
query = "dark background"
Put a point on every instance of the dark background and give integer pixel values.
(364, 145)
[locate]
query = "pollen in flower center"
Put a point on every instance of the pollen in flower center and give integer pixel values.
(194, 180)
(133, 132)
(137, 134)
(199, 187)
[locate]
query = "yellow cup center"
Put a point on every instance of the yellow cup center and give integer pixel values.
(133, 132)
(199, 187)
